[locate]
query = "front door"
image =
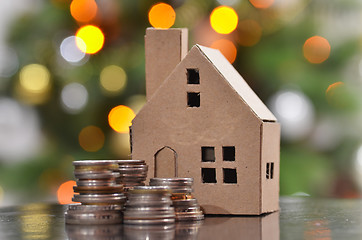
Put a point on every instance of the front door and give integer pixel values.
(166, 163)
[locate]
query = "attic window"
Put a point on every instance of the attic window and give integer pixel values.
(193, 99)
(207, 154)
(208, 175)
(228, 153)
(269, 170)
(193, 76)
(230, 175)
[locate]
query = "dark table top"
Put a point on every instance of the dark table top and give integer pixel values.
(299, 218)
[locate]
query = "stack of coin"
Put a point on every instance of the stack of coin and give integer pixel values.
(132, 173)
(149, 205)
(186, 206)
(102, 199)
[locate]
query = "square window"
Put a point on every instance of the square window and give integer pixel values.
(193, 76)
(228, 153)
(230, 175)
(193, 99)
(207, 154)
(208, 175)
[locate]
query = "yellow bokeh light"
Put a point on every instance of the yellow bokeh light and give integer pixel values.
(65, 192)
(316, 49)
(161, 15)
(92, 39)
(224, 19)
(113, 79)
(91, 138)
(120, 118)
(35, 78)
(261, 3)
(83, 10)
(227, 48)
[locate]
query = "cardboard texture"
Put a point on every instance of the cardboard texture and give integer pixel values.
(164, 50)
(205, 122)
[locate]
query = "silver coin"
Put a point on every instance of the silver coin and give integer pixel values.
(130, 161)
(99, 217)
(93, 162)
(149, 221)
(116, 198)
(96, 174)
(92, 208)
(97, 182)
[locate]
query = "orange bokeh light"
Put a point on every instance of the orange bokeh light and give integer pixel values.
(83, 10)
(161, 15)
(90, 39)
(227, 48)
(120, 118)
(224, 19)
(261, 3)
(316, 49)
(65, 192)
(91, 138)
(250, 33)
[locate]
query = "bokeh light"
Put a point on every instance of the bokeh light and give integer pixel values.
(35, 78)
(224, 19)
(83, 10)
(120, 118)
(113, 79)
(316, 49)
(357, 167)
(92, 39)
(65, 192)
(261, 3)
(295, 112)
(21, 137)
(161, 15)
(91, 138)
(227, 48)
(9, 62)
(250, 33)
(70, 51)
(228, 2)
(74, 97)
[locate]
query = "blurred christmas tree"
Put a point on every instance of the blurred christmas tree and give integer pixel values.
(72, 78)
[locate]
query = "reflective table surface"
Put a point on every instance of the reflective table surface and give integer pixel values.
(299, 218)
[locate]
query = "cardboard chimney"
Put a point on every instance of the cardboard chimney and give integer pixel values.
(202, 120)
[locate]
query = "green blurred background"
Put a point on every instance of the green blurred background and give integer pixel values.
(43, 129)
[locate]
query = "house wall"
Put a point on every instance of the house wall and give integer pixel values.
(270, 166)
(222, 119)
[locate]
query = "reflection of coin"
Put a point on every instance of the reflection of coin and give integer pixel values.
(93, 232)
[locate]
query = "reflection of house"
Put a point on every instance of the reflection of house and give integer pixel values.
(202, 120)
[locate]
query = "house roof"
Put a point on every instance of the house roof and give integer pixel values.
(237, 82)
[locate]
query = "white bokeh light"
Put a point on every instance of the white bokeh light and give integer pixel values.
(357, 167)
(228, 2)
(70, 51)
(74, 97)
(20, 137)
(9, 62)
(295, 113)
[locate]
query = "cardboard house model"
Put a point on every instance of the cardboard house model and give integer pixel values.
(202, 120)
